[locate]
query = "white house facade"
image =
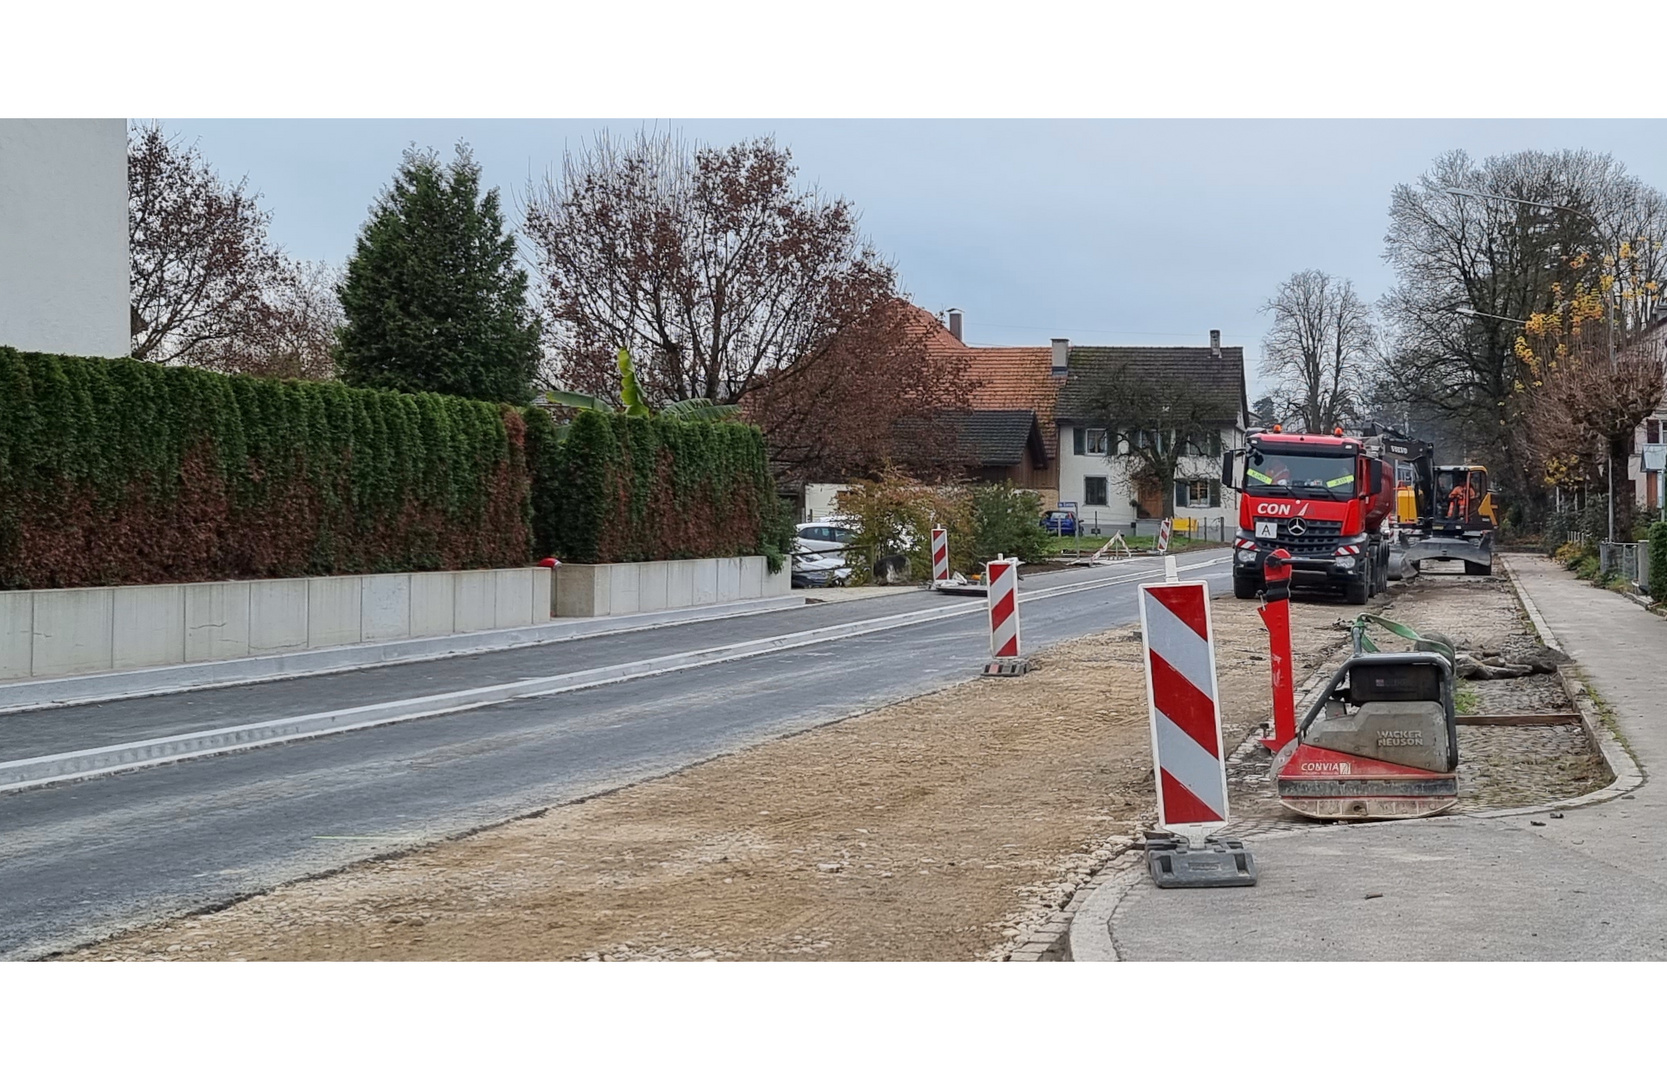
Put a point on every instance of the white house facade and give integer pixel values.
(1094, 456)
(63, 236)
(1096, 478)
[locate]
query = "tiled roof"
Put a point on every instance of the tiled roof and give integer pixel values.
(1015, 378)
(1004, 377)
(997, 437)
(1221, 378)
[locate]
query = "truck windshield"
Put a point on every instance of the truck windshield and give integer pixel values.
(1299, 474)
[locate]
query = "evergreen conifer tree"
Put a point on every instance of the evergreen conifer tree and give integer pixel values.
(432, 297)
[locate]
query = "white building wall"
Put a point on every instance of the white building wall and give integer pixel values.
(1119, 511)
(63, 236)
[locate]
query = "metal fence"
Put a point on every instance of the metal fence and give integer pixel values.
(1619, 559)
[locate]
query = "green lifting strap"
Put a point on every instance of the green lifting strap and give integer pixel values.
(1364, 644)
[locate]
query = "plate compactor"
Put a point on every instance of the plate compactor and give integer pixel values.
(1381, 742)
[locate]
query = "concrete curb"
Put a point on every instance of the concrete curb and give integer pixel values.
(71, 765)
(181, 678)
(1088, 936)
(1091, 937)
(1622, 766)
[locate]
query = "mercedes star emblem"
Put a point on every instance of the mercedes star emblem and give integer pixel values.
(1297, 526)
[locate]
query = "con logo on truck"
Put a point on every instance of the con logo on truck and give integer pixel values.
(1282, 509)
(1341, 767)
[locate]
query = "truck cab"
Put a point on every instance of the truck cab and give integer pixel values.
(1325, 499)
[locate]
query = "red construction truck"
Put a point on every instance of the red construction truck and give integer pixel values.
(1324, 498)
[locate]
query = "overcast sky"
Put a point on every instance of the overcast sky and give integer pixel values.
(1107, 232)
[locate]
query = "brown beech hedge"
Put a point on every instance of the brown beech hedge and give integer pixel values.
(117, 472)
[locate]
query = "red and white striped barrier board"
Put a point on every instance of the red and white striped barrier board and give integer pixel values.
(1185, 706)
(1163, 535)
(940, 554)
(1002, 576)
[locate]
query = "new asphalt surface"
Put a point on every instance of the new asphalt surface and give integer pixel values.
(82, 860)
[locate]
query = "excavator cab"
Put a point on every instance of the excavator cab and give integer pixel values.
(1463, 503)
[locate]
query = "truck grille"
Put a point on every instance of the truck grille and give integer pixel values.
(1318, 537)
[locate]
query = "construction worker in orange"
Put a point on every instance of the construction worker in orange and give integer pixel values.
(1461, 500)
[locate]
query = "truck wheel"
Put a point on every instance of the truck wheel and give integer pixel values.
(1244, 588)
(1356, 593)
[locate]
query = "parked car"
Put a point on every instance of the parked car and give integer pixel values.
(830, 535)
(815, 569)
(1060, 522)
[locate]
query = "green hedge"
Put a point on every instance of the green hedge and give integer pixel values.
(631, 489)
(121, 472)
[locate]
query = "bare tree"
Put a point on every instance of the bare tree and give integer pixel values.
(200, 261)
(292, 334)
(728, 281)
(1162, 430)
(1505, 261)
(1321, 348)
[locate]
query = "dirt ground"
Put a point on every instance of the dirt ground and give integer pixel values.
(944, 827)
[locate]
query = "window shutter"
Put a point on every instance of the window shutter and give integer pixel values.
(1181, 494)
(1076, 441)
(1215, 492)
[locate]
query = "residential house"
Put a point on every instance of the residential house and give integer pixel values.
(1649, 487)
(1032, 422)
(1008, 433)
(1095, 457)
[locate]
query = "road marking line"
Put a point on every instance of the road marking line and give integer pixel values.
(40, 771)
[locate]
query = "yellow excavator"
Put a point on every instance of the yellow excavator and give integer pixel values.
(1443, 513)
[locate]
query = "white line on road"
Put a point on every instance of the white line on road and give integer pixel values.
(122, 757)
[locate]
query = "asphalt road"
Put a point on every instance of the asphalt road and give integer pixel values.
(80, 861)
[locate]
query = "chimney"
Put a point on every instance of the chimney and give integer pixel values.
(1215, 344)
(1061, 355)
(955, 323)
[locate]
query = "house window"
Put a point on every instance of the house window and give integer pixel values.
(1205, 444)
(1096, 441)
(1094, 491)
(1197, 494)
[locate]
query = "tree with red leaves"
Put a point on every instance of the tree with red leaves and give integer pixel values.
(1584, 406)
(728, 281)
(207, 287)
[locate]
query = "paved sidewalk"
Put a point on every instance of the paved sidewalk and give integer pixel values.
(1591, 885)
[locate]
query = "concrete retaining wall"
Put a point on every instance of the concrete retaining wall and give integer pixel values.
(583, 591)
(46, 633)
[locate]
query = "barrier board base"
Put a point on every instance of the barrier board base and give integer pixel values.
(1216, 863)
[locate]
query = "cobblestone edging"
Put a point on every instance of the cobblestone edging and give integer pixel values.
(1055, 938)
(1088, 933)
(1622, 767)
